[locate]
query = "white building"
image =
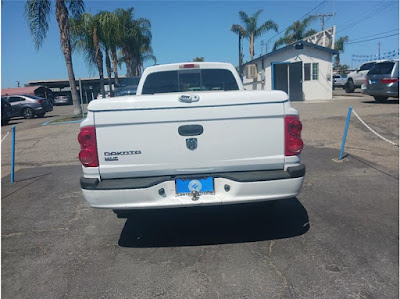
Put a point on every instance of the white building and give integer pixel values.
(303, 70)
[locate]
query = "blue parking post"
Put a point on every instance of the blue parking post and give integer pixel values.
(12, 153)
(345, 133)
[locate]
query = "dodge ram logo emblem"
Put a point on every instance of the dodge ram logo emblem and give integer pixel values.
(191, 143)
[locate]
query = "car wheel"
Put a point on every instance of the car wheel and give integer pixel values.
(380, 99)
(40, 115)
(28, 113)
(349, 86)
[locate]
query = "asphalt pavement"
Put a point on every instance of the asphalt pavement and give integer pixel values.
(337, 239)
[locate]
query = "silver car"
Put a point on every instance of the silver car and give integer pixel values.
(382, 81)
(28, 106)
(62, 100)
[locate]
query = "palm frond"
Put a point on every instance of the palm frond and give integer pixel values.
(310, 32)
(257, 14)
(339, 44)
(76, 7)
(268, 25)
(239, 29)
(244, 17)
(37, 13)
(306, 22)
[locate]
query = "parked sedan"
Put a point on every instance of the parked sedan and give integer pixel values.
(28, 106)
(382, 81)
(6, 112)
(62, 100)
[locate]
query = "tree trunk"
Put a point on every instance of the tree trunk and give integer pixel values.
(109, 71)
(63, 25)
(130, 65)
(115, 65)
(337, 61)
(251, 46)
(99, 61)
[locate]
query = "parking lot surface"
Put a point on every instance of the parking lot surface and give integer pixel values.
(337, 239)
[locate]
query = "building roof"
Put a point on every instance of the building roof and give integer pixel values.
(291, 46)
(19, 90)
(62, 83)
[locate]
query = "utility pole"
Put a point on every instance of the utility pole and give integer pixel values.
(323, 16)
(379, 50)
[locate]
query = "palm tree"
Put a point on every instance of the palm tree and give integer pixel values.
(37, 14)
(250, 29)
(339, 46)
(145, 54)
(198, 59)
(86, 35)
(110, 38)
(297, 31)
(135, 40)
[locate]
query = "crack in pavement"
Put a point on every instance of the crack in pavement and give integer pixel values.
(272, 264)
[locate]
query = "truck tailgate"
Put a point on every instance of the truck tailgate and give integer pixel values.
(158, 135)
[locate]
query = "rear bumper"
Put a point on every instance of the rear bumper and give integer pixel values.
(388, 91)
(144, 193)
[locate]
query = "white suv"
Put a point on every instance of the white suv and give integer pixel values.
(356, 78)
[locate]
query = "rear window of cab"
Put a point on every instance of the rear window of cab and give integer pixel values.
(189, 80)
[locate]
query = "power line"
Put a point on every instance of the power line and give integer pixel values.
(367, 40)
(361, 15)
(366, 18)
(298, 20)
(360, 38)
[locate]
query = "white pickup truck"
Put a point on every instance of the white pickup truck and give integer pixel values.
(191, 136)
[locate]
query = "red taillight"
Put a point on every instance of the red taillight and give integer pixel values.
(365, 81)
(389, 80)
(87, 140)
(39, 101)
(293, 142)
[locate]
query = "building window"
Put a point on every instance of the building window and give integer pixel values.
(315, 71)
(307, 71)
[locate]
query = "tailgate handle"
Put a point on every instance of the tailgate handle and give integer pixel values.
(190, 130)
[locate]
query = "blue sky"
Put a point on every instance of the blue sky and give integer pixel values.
(183, 30)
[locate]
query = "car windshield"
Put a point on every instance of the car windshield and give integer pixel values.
(33, 97)
(189, 80)
(382, 68)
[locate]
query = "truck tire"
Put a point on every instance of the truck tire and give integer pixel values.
(28, 113)
(349, 87)
(380, 99)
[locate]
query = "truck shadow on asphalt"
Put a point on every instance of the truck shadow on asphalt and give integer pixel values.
(391, 101)
(215, 225)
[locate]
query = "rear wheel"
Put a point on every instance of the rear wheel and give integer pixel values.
(28, 113)
(380, 99)
(350, 86)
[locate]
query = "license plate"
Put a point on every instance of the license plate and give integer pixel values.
(186, 186)
(373, 81)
